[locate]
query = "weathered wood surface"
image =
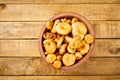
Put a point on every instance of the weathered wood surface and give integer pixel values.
(60, 1)
(103, 48)
(11, 30)
(60, 77)
(36, 66)
(20, 25)
(35, 12)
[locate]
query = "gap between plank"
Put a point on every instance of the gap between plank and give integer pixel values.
(40, 57)
(37, 38)
(58, 75)
(66, 75)
(44, 20)
(58, 3)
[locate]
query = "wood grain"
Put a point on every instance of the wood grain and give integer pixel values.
(35, 12)
(18, 30)
(20, 25)
(59, 1)
(36, 66)
(19, 48)
(103, 48)
(106, 29)
(60, 77)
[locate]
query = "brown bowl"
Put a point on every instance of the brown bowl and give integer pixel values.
(67, 15)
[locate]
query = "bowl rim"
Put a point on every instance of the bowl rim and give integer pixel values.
(63, 15)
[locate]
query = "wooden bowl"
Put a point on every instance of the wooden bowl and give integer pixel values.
(67, 15)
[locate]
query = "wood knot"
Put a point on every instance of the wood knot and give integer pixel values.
(114, 50)
(2, 6)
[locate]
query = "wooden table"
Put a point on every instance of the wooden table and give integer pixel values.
(20, 25)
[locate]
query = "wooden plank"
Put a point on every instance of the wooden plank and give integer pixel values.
(60, 77)
(34, 12)
(36, 66)
(106, 29)
(59, 1)
(103, 48)
(19, 48)
(10, 30)
(20, 29)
